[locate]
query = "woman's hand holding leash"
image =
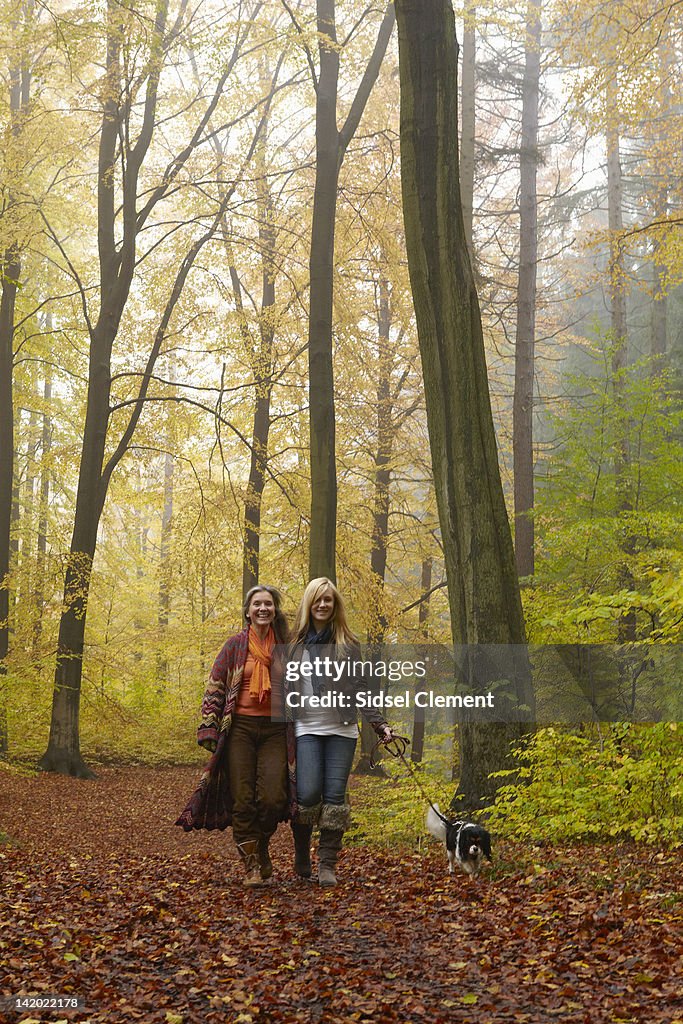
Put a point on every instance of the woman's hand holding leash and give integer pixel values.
(393, 743)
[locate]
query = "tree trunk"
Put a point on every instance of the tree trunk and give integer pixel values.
(383, 455)
(44, 502)
(523, 404)
(483, 587)
(10, 272)
(262, 366)
(165, 573)
(25, 580)
(619, 343)
(63, 751)
(331, 145)
(659, 319)
(380, 517)
(11, 268)
(469, 120)
(417, 746)
(322, 553)
(660, 212)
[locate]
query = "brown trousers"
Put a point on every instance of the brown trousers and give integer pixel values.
(257, 759)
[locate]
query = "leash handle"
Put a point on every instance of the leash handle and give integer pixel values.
(396, 747)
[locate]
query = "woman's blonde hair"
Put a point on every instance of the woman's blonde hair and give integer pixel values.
(341, 634)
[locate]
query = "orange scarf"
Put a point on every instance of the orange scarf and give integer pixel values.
(261, 652)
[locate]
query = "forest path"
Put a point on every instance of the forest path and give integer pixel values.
(105, 899)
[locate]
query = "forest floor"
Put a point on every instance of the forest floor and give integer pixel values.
(103, 898)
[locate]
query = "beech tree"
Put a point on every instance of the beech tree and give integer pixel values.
(124, 210)
(331, 146)
(523, 407)
(11, 249)
(485, 604)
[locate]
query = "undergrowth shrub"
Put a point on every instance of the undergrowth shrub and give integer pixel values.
(622, 781)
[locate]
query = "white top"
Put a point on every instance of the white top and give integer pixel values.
(320, 721)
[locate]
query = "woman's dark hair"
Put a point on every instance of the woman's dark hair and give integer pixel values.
(280, 624)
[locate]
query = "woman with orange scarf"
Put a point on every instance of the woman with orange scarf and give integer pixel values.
(246, 783)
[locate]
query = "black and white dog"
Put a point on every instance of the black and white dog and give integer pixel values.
(466, 843)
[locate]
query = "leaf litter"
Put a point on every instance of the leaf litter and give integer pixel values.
(105, 899)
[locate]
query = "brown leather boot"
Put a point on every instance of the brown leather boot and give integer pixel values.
(249, 852)
(265, 863)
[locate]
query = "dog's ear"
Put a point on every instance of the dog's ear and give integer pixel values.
(486, 844)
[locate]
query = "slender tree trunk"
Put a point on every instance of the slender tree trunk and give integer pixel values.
(322, 551)
(483, 587)
(165, 573)
(661, 210)
(523, 404)
(469, 120)
(165, 568)
(141, 532)
(659, 318)
(331, 145)
(417, 746)
(383, 455)
(262, 366)
(380, 517)
(619, 342)
(10, 272)
(10, 275)
(44, 504)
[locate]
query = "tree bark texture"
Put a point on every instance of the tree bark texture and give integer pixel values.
(523, 403)
(483, 588)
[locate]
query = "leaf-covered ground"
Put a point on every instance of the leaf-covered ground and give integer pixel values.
(105, 899)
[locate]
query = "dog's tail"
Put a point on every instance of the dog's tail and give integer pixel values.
(436, 826)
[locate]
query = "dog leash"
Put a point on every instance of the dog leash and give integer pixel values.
(396, 747)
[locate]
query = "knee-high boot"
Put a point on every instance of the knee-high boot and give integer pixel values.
(334, 820)
(302, 830)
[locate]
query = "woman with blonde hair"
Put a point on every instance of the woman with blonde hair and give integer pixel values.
(246, 783)
(325, 736)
